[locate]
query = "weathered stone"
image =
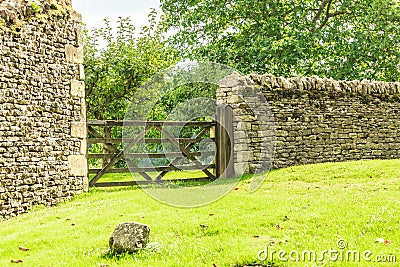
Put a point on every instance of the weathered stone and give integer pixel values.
(38, 144)
(316, 120)
(79, 130)
(84, 146)
(77, 165)
(73, 54)
(81, 76)
(77, 88)
(129, 237)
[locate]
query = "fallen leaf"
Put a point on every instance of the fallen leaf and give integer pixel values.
(386, 242)
(17, 261)
(214, 265)
(23, 248)
(68, 219)
(236, 189)
(256, 236)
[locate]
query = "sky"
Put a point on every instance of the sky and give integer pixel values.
(94, 11)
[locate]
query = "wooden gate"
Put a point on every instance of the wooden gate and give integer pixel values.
(186, 155)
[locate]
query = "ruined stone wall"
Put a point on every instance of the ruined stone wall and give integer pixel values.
(316, 120)
(42, 106)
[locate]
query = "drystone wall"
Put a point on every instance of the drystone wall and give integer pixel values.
(42, 106)
(310, 120)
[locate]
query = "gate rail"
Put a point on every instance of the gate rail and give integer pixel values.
(219, 133)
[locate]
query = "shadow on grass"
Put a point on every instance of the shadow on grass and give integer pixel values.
(150, 249)
(114, 256)
(170, 184)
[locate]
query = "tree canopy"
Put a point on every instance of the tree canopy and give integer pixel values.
(341, 39)
(118, 62)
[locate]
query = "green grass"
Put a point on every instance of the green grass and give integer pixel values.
(122, 177)
(314, 206)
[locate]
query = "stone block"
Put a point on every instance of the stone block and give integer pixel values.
(81, 71)
(73, 54)
(77, 88)
(232, 80)
(129, 237)
(83, 110)
(83, 149)
(241, 168)
(243, 156)
(78, 36)
(78, 165)
(79, 130)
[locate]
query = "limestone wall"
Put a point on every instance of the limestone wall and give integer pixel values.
(42, 106)
(316, 120)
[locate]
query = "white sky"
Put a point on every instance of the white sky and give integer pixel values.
(94, 11)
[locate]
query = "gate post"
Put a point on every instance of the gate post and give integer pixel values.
(224, 140)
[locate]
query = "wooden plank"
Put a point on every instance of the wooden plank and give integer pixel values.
(117, 157)
(135, 183)
(114, 170)
(143, 174)
(125, 123)
(203, 132)
(146, 140)
(100, 156)
(186, 152)
(114, 149)
(188, 147)
(225, 142)
(152, 155)
(96, 134)
(155, 169)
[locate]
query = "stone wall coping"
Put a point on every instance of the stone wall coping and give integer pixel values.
(269, 81)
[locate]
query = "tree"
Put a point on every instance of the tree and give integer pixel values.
(116, 64)
(330, 38)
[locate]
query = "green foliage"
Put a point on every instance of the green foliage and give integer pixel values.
(328, 38)
(116, 64)
(35, 7)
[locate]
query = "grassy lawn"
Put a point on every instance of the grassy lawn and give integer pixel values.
(296, 209)
(122, 177)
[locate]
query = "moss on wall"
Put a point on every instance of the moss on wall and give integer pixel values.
(14, 14)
